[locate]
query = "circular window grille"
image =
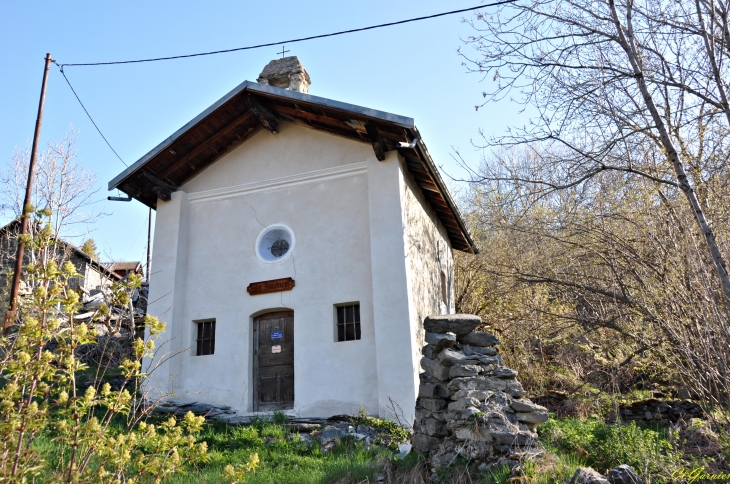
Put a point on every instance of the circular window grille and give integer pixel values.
(275, 243)
(279, 248)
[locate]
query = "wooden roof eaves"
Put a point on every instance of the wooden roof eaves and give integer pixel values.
(137, 165)
(425, 157)
(254, 87)
(406, 123)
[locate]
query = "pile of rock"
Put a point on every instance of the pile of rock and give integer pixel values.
(469, 404)
(664, 411)
(622, 474)
(330, 434)
(222, 413)
(326, 432)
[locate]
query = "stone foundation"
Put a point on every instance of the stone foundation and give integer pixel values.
(469, 404)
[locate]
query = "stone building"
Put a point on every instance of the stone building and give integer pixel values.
(299, 242)
(94, 274)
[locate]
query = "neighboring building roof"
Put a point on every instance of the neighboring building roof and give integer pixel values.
(123, 266)
(94, 263)
(249, 107)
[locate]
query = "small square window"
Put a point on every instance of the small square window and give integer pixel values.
(206, 338)
(348, 322)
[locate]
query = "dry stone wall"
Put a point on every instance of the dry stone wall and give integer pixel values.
(469, 404)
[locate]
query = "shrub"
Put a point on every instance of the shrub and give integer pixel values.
(96, 436)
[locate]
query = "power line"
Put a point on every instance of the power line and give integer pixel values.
(302, 39)
(321, 36)
(60, 67)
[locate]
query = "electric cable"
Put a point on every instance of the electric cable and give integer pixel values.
(292, 41)
(270, 44)
(60, 67)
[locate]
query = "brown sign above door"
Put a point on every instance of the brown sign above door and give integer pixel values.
(275, 285)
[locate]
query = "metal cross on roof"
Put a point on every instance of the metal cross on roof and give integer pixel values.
(283, 51)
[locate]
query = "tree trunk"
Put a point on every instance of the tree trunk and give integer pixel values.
(625, 36)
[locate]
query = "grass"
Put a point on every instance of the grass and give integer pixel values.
(285, 458)
(570, 443)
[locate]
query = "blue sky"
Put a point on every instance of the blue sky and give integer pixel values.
(411, 69)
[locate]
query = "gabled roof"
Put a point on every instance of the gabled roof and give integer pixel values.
(14, 226)
(252, 106)
(123, 266)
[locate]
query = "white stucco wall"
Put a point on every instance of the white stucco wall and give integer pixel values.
(428, 253)
(316, 184)
(351, 216)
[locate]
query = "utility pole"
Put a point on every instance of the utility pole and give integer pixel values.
(10, 314)
(149, 239)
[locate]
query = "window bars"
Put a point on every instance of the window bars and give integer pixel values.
(206, 338)
(348, 322)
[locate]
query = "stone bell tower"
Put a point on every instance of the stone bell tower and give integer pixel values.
(288, 73)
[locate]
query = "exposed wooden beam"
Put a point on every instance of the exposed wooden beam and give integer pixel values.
(438, 198)
(266, 116)
(429, 187)
(449, 222)
(416, 171)
(206, 144)
(350, 127)
(162, 189)
(377, 141)
(229, 147)
(315, 117)
(422, 177)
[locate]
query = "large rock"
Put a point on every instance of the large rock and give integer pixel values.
(441, 340)
(464, 370)
(199, 408)
(514, 388)
(526, 406)
(472, 434)
(478, 338)
(586, 475)
(433, 427)
(435, 369)
(424, 443)
(432, 404)
(449, 357)
(505, 373)
(478, 394)
(513, 438)
(330, 434)
(533, 417)
(431, 351)
(468, 350)
(430, 390)
(623, 474)
(459, 324)
(476, 383)
(463, 403)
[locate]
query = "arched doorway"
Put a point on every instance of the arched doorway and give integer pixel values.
(273, 361)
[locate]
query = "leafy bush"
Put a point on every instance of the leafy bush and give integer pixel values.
(96, 436)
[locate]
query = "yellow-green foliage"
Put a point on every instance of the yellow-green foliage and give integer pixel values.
(38, 397)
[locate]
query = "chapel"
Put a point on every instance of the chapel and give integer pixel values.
(299, 243)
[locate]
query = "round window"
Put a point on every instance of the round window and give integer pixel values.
(275, 243)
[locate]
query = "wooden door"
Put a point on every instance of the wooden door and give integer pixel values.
(273, 371)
